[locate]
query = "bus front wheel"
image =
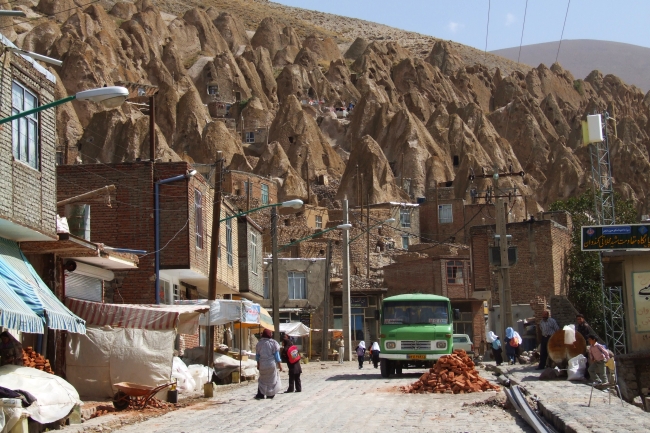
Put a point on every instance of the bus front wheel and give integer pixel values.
(384, 365)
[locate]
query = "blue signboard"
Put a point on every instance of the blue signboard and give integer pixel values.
(615, 237)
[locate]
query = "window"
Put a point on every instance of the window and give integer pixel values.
(338, 317)
(250, 137)
(253, 253)
(319, 222)
(246, 191)
(405, 242)
(265, 194)
(203, 335)
(445, 216)
(356, 323)
(297, 285)
(24, 131)
(405, 218)
(177, 292)
(454, 272)
(213, 90)
(198, 217)
(267, 285)
(229, 242)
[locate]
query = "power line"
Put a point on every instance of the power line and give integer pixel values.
(174, 237)
(562, 35)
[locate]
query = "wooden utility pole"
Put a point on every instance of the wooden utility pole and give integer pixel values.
(214, 254)
(152, 128)
(275, 274)
(505, 298)
(326, 303)
(249, 190)
(368, 235)
(358, 186)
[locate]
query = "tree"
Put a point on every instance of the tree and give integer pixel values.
(584, 267)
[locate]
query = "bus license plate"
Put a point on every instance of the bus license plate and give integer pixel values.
(417, 357)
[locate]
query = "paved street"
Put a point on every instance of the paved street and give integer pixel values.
(338, 398)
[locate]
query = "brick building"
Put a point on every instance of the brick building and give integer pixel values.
(260, 189)
(444, 275)
(540, 273)
(185, 228)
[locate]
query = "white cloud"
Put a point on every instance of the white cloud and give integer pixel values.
(510, 18)
(454, 26)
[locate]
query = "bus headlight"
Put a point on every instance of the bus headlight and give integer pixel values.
(390, 345)
(441, 344)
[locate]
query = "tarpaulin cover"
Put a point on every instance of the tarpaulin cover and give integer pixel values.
(226, 311)
(294, 329)
(265, 321)
(104, 356)
(154, 317)
(55, 397)
(21, 277)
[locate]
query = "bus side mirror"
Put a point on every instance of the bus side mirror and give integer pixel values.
(456, 314)
(376, 314)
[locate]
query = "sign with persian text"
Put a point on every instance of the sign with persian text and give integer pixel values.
(615, 237)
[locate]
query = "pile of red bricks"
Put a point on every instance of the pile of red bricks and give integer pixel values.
(453, 373)
(36, 360)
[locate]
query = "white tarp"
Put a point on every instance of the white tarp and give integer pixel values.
(55, 397)
(294, 329)
(225, 311)
(104, 356)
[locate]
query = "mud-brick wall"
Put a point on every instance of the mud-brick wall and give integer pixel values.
(633, 373)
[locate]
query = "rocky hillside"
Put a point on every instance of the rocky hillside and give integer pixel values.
(431, 113)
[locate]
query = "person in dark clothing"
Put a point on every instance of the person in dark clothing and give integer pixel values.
(361, 353)
(374, 353)
(294, 368)
(497, 351)
(583, 327)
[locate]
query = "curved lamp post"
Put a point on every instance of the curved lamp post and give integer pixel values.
(110, 97)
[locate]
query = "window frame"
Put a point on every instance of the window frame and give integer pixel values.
(318, 221)
(198, 218)
(265, 194)
(229, 251)
(250, 137)
(266, 285)
(405, 237)
(292, 277)
(445, 214)
(253, 252)
(32, 157)
(453, 278)
(405, 218)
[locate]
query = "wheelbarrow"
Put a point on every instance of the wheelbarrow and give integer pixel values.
(136, 395)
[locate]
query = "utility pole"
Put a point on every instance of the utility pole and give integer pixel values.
(214, 255)
(326, 302)
(275, 275)
(368, 236)
(347, 334)
(152, 129)
(505, 298)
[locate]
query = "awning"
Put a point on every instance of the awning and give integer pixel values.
(266, 321)
(14, 313)
(294, 329)
(183, 318)
(18, 273)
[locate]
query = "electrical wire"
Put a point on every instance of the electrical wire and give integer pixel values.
(562, 35)
(174, 237)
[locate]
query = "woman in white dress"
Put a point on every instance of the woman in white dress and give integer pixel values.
(267, 355)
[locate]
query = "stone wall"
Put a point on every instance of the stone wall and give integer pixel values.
(633, 372)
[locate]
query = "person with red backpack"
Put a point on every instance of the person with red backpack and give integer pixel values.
(291, 355)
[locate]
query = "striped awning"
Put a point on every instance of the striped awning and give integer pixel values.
(14, 313)
(184, 318)
(20, 276)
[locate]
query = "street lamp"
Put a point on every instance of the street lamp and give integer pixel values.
(7, 13)
(157, 184)
(110, 97)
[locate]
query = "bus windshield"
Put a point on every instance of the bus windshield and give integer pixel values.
(416, 313)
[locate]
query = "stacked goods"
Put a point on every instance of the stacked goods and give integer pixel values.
(36, 360)
(453, 373)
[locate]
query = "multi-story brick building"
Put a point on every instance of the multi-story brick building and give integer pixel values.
(444, 275)
(185, 228)
(541, 270)
(260, 189)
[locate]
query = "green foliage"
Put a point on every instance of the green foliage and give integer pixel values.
(578, 85)
(584, 267)
(243, 103)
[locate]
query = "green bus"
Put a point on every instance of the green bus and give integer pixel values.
(416, 330)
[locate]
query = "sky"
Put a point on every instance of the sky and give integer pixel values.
(465, 21)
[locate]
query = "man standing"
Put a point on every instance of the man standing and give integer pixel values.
(340, 346)
(583, 327)
(547, 326)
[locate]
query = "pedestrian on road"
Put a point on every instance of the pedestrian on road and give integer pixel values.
(361, 353)
(340, 346)
(583, 327)
(598, 356)
(547, 327)
(267, 355)
(512, 343)
(497, 350)
(374, 353)
(291, 355)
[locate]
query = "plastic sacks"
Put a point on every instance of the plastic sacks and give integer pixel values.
(201, 374)
(491, 336)
(577, 367)
(569, 334)
(180, 372)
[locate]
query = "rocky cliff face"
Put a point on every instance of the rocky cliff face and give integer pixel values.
(425, 118)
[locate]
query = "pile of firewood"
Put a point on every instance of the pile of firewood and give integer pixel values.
(36, 360)
(453, 373)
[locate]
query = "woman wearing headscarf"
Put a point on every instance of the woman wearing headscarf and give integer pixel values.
(267, 355)
(374, 350)
(512, 342)
(361, 353)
